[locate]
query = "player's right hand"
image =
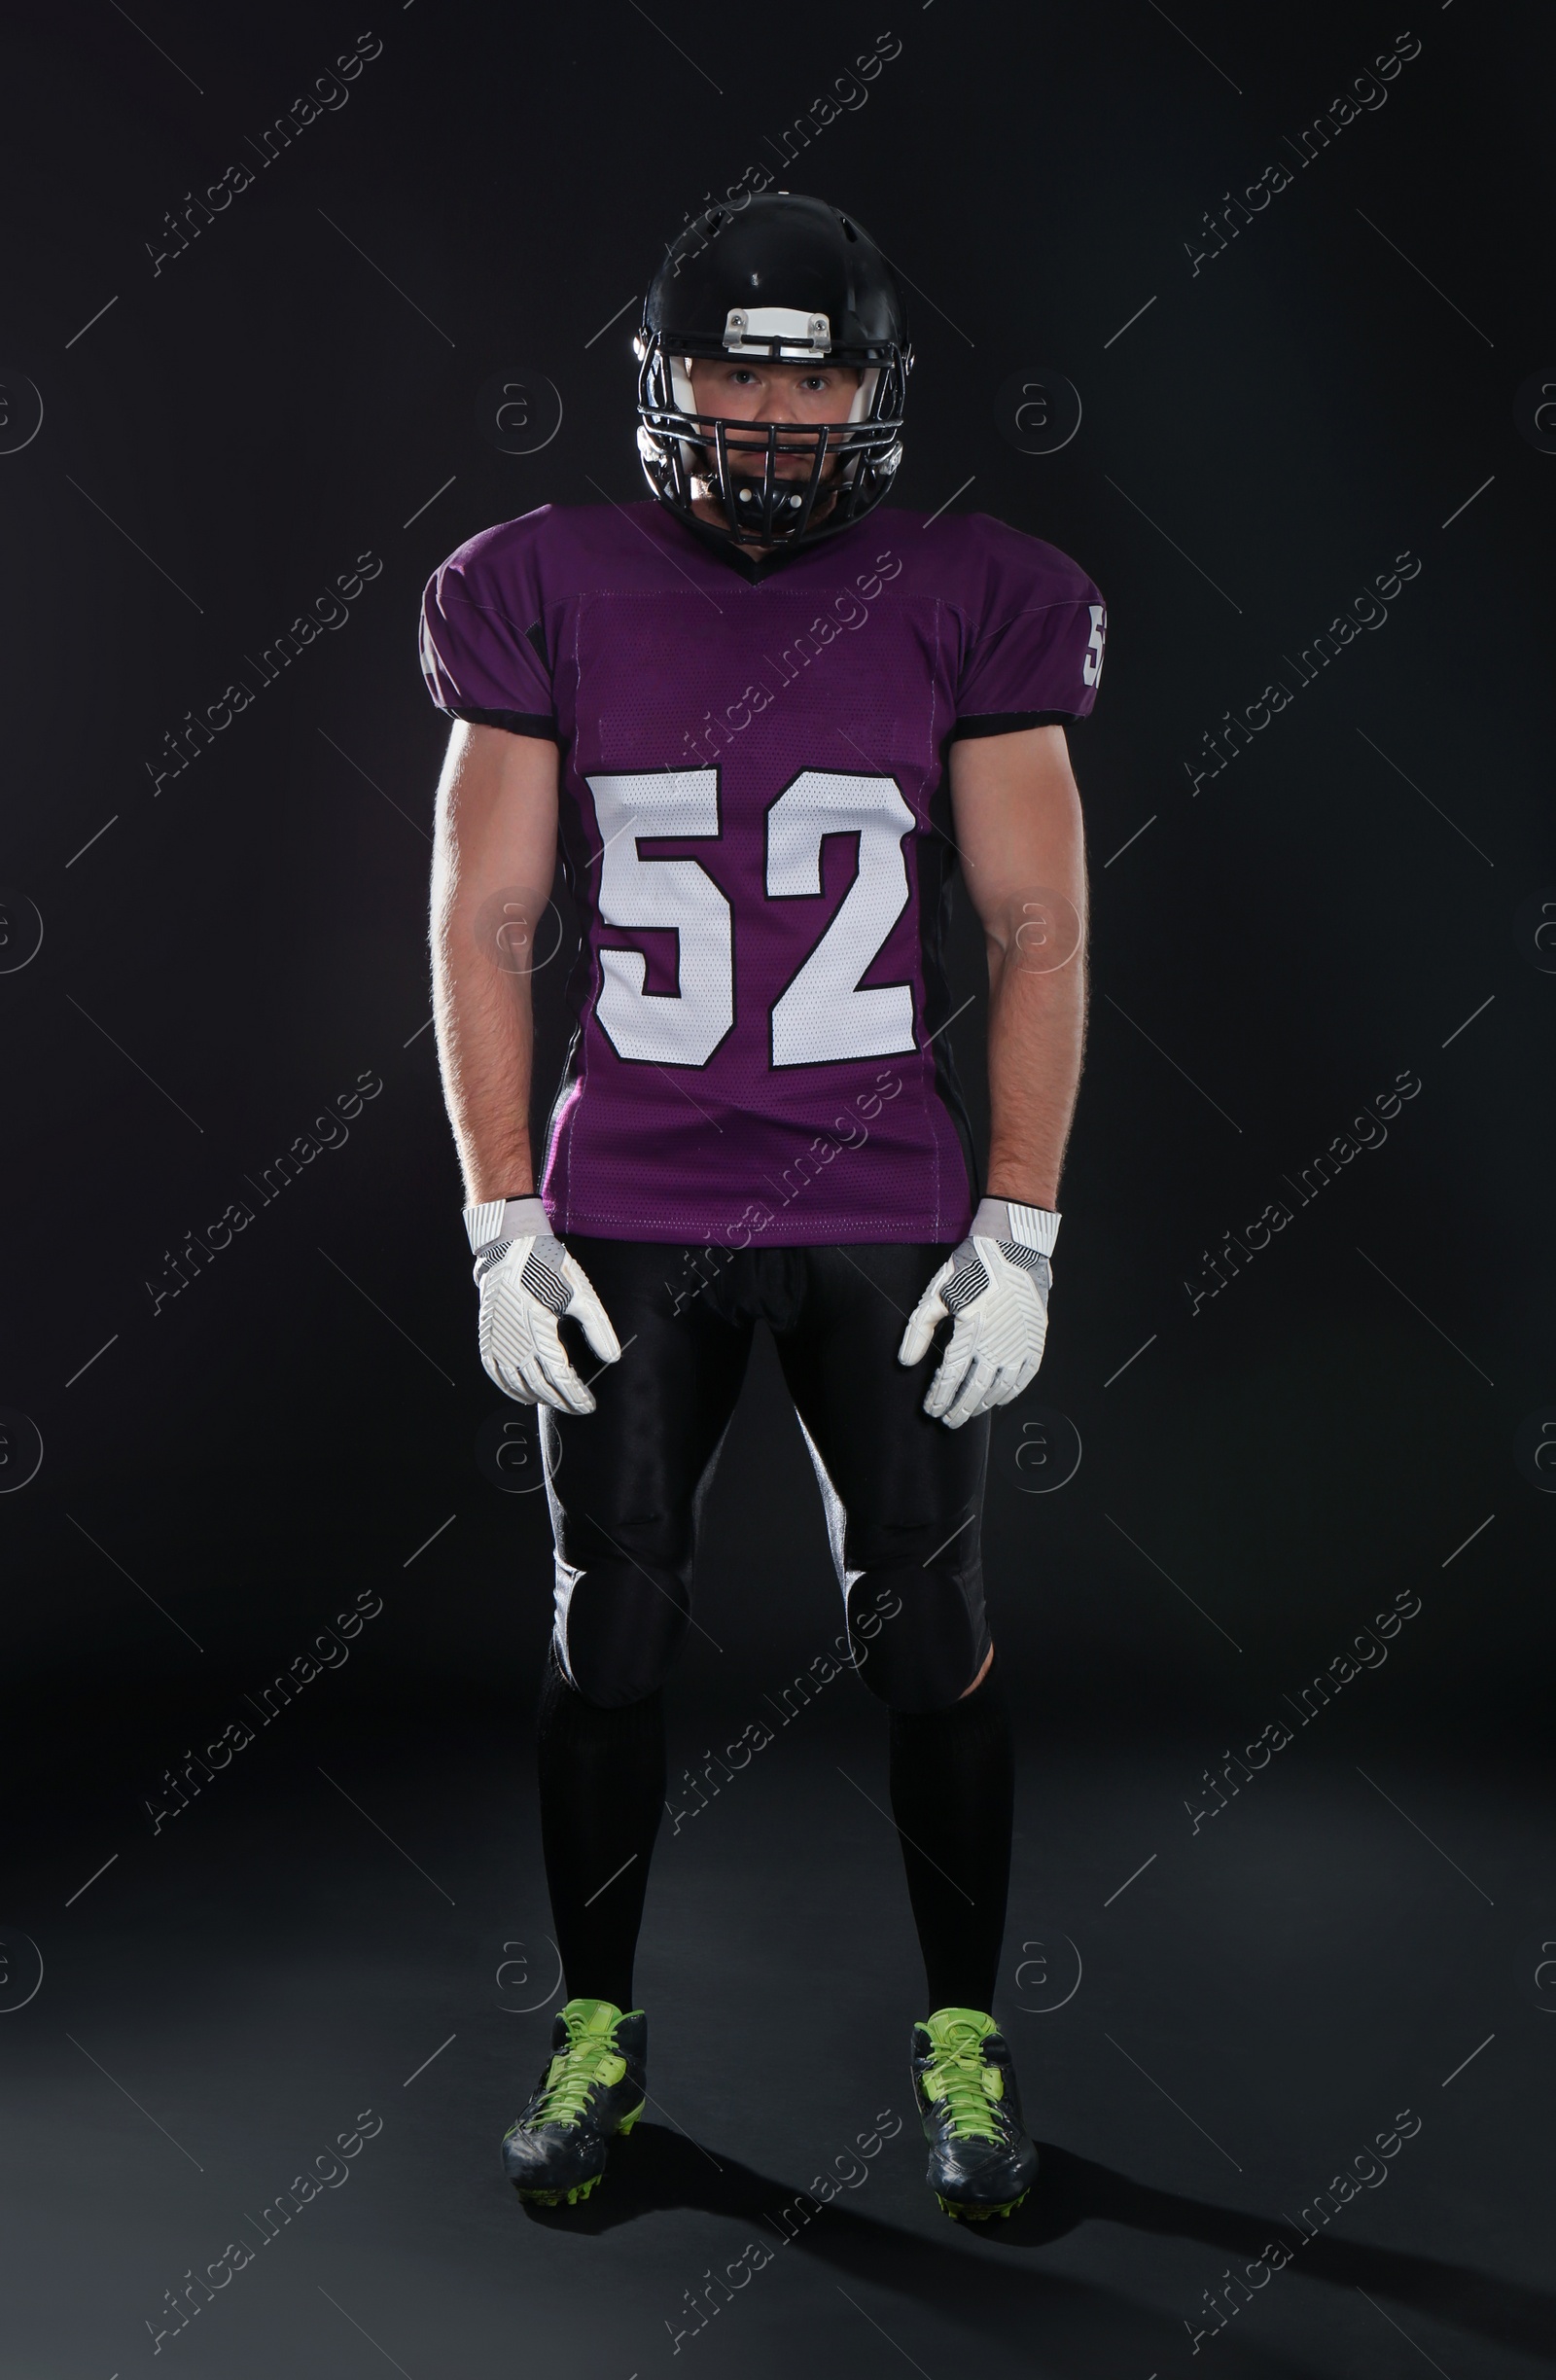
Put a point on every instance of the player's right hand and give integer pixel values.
(526, 1283)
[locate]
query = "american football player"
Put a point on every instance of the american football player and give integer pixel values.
(761, 724)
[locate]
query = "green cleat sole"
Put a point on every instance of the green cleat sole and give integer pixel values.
(560, 2198)
(960, 2212)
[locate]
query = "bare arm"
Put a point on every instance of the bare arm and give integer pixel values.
(494, 855)
(1018, 828)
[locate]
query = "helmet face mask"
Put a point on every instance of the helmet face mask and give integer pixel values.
(716, 297)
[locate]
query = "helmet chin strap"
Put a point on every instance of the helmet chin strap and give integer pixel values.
(685, 401)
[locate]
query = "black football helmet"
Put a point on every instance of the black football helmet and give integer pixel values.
(786, 279)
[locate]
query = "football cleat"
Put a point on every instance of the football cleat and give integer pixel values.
(982, 2161)
(592, 2091)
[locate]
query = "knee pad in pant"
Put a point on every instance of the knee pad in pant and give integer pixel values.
(919, 1636)
(618, 1627)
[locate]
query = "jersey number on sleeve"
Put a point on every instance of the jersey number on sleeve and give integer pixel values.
(823, 1016)
(1092, 665)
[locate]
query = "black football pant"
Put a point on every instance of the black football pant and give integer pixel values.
(903, 1496)
(903, 1493)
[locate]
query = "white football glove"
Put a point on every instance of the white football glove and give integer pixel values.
(526, 1280)
(995, 1285)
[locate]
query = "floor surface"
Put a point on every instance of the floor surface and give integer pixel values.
(345, 1947)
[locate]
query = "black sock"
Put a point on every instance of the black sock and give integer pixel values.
(953, 1797)
(602, 1788)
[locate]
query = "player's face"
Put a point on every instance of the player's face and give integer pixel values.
(744, 389)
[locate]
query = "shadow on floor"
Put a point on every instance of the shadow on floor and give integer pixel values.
(658, 2170)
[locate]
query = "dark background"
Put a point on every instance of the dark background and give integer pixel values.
(223, 958)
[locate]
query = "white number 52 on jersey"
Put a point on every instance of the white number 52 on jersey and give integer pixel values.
(825, 1013)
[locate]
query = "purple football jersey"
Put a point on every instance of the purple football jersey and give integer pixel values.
(755, 824)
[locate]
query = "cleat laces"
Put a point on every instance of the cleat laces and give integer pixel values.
(959, 2076)
(590, 2058)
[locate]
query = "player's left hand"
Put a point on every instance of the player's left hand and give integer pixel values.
(996, 1286)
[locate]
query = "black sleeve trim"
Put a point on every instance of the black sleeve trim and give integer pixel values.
(1011, 723)
(517, 722)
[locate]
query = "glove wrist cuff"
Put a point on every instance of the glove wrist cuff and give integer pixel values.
(491, 1220)
(1026, 1226)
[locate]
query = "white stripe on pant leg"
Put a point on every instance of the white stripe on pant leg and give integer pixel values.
(567, 1578)
(835, 1517)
